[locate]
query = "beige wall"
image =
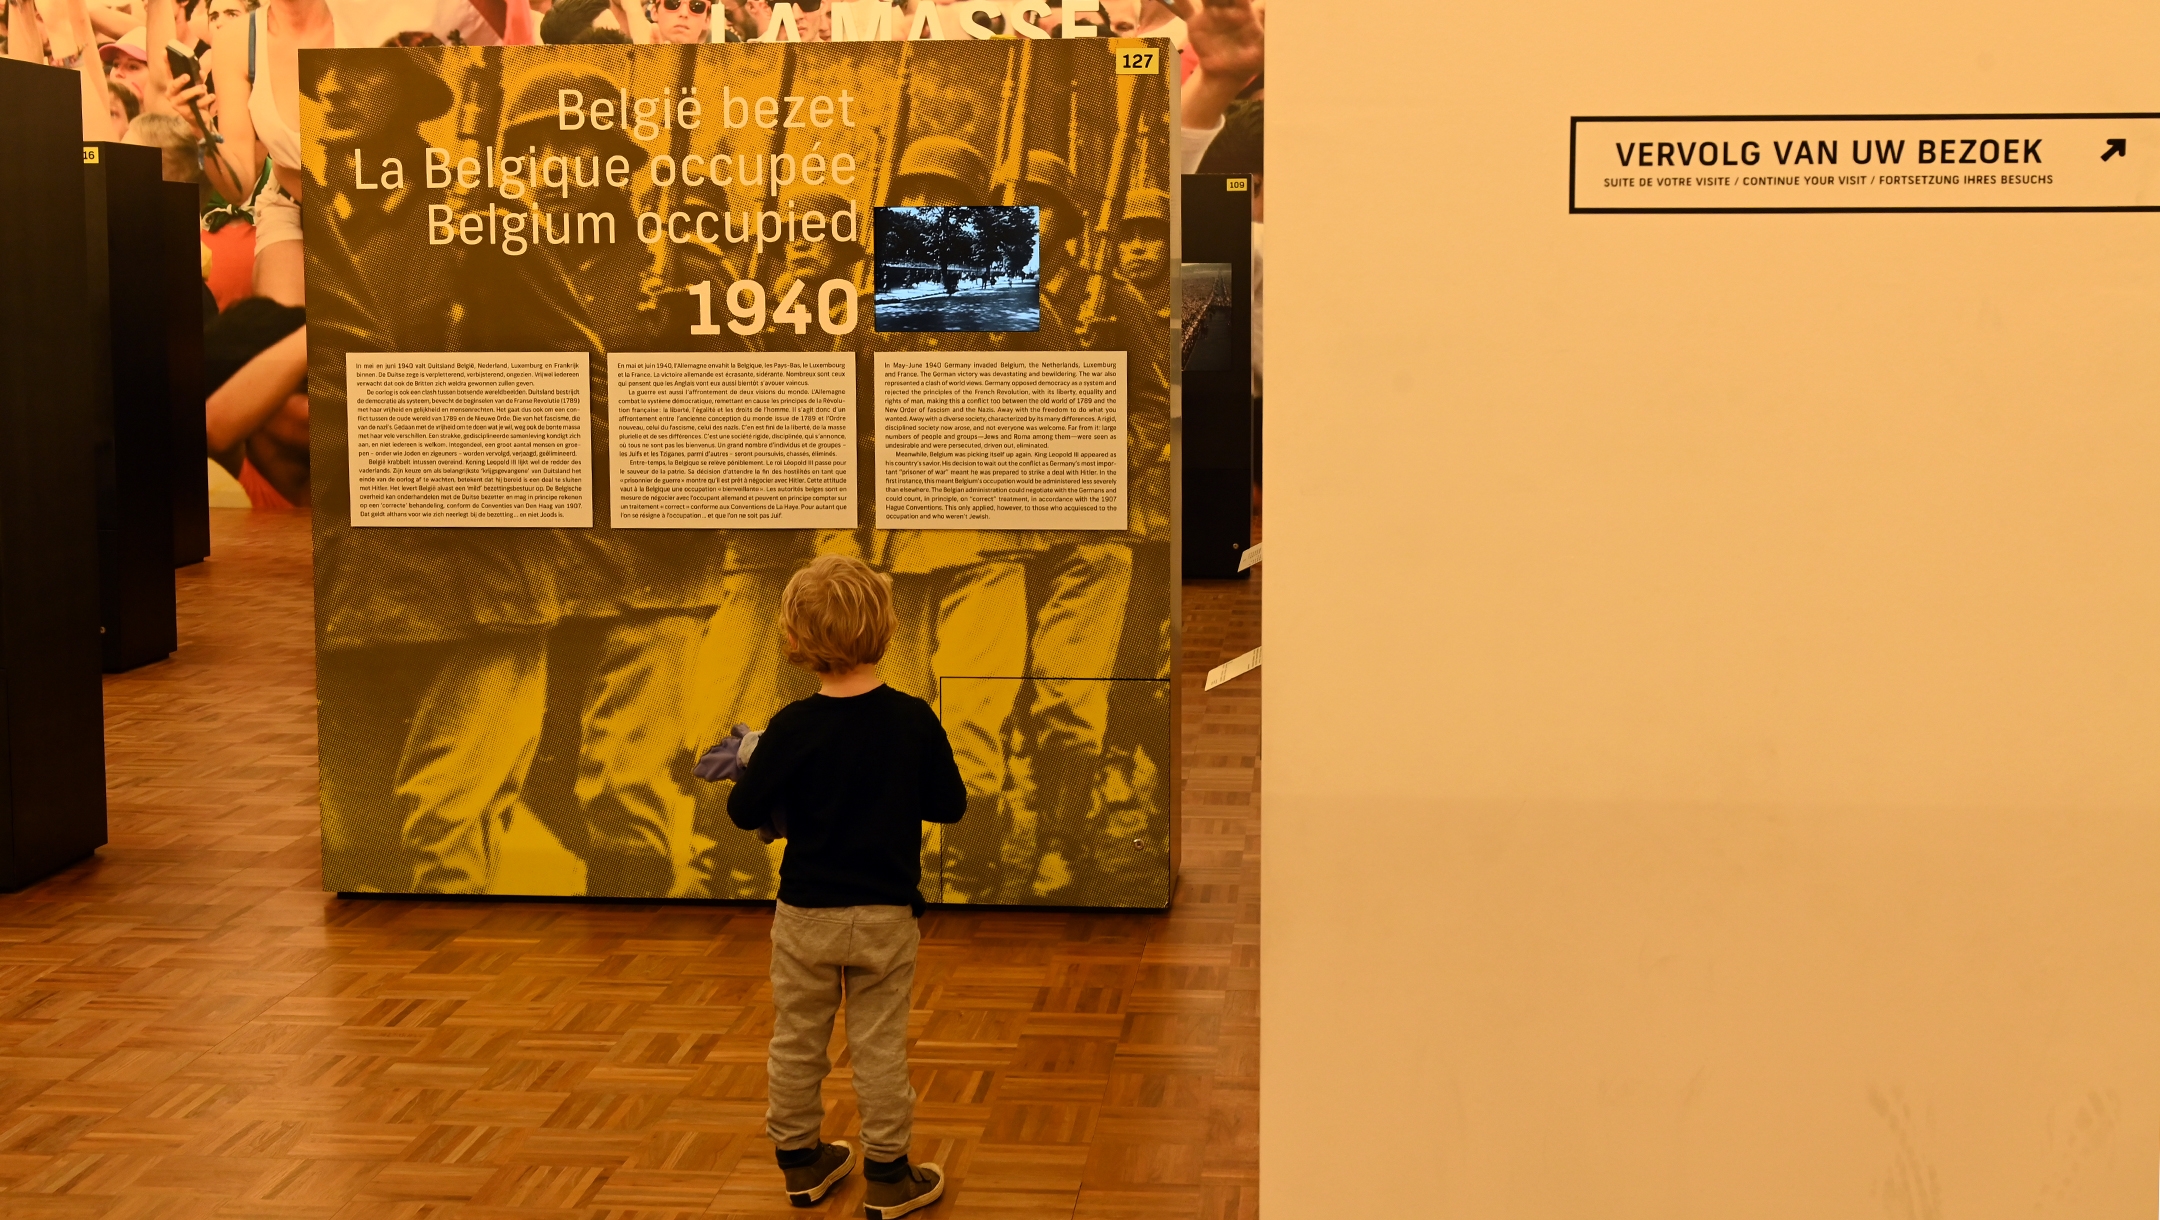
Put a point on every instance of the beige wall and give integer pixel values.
(1713, 662)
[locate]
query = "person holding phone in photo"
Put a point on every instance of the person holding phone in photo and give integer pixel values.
(258, 103)
(258, 94)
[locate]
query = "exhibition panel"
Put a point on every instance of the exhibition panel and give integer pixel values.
(184, 371)
(125, 200)
(52, 761)
(604, 344)
(1215, 353)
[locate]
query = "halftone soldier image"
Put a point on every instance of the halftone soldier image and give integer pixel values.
(1046, 186)
(940, 170)
(517, 710)
(732, 681)
(961, 595)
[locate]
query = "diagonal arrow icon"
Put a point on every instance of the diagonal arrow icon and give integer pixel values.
(2116, 148)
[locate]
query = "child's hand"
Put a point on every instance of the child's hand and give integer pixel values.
(723, 761)
(774, 830)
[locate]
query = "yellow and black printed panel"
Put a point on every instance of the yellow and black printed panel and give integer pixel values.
(1082, 810)
(515, 709)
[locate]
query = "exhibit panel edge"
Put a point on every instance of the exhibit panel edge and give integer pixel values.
(54, 812)
(543, 836)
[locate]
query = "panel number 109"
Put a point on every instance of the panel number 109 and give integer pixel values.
(746, 300)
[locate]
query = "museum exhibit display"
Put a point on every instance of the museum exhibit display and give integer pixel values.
(1215, 352)
(604, 344)
(131, 359)
(52, 763)
(179, 212)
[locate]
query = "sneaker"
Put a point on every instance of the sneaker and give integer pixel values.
(923, 1185)
(806, 1184)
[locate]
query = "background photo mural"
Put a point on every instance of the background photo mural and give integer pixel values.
(595, 362)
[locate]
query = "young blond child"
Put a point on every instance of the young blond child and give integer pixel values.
(854, 771)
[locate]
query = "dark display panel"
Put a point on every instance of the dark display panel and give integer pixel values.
(1215, 351)
(52, 762)
(124, 194)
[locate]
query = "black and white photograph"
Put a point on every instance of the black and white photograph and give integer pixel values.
(959, 269)
(1209, 344)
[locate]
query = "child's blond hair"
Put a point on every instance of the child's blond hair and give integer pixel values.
(838, 614)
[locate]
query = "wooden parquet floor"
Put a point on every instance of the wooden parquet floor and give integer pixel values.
(190, 1028)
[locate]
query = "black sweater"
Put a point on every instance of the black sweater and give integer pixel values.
(857, 777)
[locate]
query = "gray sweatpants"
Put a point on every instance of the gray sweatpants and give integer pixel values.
(819, 955)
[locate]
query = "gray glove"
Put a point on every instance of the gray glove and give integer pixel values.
(725, 761)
